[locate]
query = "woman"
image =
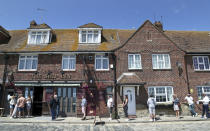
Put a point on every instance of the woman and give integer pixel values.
(12, 104)
(28, 105)
(151, 104)
(176, 105)
(125, 106)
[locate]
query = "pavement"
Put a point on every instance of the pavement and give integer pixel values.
(76, 120)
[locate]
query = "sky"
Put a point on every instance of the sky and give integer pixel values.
(111, 14)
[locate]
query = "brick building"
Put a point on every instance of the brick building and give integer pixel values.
(41, 61)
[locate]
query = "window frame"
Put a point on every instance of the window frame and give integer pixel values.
(134, 61)
(164, 62)
(197, 57)
(46, 41)
(200, 97)
(25, 58)
(75, 59)
(102, 58)
(90, 29)
(166, 93)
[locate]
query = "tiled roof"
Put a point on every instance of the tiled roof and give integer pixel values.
(65, 40)
(4, 31)
(129, 78)
(191, 41)
(90, 25)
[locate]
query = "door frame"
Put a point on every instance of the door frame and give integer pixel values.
(134, 92)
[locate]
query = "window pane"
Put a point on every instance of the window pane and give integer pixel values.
(160, 62)
(137, 61)
(154, 61)
(130, 61)
(65, 64)
(169, 93)
(33, 39)
(206, 62)
(195, 62)
(90, 36)
(34, 64)
(21, 64)
(83, 37)
(161, 98)
(95, 39)
(105, 63)
(200, 59)
(72, 64)
(167, 63)
(98, 63)
(151, 91)
(28, 64)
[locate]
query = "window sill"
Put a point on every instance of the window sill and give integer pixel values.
(102, 70)
(149, 40)
(201, 70)
(37, 44)
(162, 69)
(68, 70)
(164, 103)
(27, 70)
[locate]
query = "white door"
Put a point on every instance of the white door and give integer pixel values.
(130, 91)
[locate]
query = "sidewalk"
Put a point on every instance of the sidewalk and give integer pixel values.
(75, 120)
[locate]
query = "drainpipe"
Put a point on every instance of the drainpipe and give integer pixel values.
(188, 85)
(115, 86)
(6, 57)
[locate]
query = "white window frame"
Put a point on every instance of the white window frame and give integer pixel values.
(46, 41)
(102, 57)
(69, 58)
(90, 29)
(197, 57)
(164, 62)
(134, 61)
(25, 57)
(170, 101)
(202, 88)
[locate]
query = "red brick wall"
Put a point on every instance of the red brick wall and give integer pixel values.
(159, 44)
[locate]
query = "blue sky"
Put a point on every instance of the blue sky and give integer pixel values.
(117, 14)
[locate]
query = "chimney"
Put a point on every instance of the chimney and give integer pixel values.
(32, 23)
(159, 25)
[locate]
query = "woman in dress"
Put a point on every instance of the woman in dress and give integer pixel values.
(176, 105)
(125, 106)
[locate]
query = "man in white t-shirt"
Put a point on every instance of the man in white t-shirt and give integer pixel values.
(110, 106)
(189, 100)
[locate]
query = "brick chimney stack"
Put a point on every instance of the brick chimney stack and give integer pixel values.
(159, 25)
(32, 23)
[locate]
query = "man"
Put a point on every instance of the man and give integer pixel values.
(151, 104)
(205, 102)
(53, 107)
(20, 105)
(189, 100)
(84, 105)
(110, 106)
(57, 101)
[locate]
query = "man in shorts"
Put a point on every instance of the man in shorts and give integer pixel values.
(20, 105)
(151, 104)
(84, 105)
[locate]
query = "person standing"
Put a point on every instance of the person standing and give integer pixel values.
(28, 105)
(205, 102)
(176, 105)
(125, 106)
(84, 105)
(12, 103)
(53, 106)
(189, 100)
(20, 105)
(110, 106)
(57, 105)
(151, 102)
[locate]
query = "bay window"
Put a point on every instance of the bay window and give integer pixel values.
(161, 93)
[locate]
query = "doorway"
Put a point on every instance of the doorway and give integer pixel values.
(130, 91)
(37, 101)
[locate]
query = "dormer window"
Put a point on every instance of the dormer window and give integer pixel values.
(39, 33)
(90, 36)
(90, 33)
(36, 37)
